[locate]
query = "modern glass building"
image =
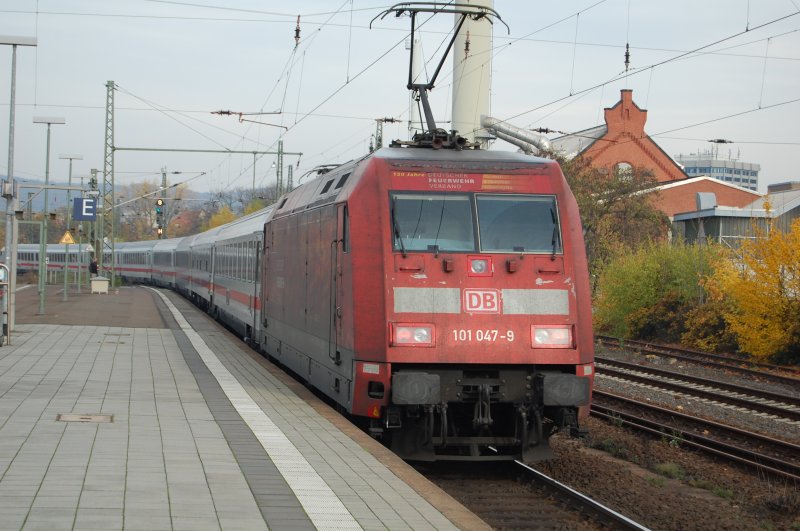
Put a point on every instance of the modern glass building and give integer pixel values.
(732, 171)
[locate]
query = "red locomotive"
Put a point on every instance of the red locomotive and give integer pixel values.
(441, 294)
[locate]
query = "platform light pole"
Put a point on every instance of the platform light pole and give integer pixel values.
(49, 120)
(11, 219)
(69, 220)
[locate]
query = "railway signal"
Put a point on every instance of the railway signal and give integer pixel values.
(160, 216)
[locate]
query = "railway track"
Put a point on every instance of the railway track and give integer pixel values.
(512, 495)
(766, 455)
(784, 374)
(775, 404)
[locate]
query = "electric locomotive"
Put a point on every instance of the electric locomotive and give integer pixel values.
(438, 295)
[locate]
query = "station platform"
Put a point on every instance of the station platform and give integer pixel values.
(135, 410)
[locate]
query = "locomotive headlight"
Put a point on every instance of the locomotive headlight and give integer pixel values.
(412, 335)
(480, 266)
(551, 336)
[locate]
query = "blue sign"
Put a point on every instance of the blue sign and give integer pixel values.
(84, 209)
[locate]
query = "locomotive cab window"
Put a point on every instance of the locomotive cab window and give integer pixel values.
(506, 223)
(432, 222)
(518, 223)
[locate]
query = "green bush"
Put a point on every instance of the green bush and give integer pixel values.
(639, 291)
(707, 330)
(663, 321)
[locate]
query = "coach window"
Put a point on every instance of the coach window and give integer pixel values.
(238, 272)
(251, 270)
(432, 222)
(518, 223)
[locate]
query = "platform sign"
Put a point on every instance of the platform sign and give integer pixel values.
(84, 209)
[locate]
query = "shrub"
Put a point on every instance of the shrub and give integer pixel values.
(762, 283)
(638, 289)
(664, 321)
(707, 330)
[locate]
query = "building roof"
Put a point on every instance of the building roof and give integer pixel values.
(780, 203)
(702, 178)
(572, 145)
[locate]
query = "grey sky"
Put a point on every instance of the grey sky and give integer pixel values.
(175, 62)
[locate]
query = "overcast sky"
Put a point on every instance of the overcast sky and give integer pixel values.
(177, 61)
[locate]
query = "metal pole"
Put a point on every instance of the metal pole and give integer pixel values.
(10, 256)
(80, 258)
(11, 202)
(80, 254)
(43, 230)
(43, 244)
(69, 191)
(65, 298)
(42, 251)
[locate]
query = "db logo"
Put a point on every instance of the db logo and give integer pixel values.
(482, 301)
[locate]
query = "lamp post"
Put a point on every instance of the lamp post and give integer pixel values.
(69, 219)
(49, 120)
(11, 219)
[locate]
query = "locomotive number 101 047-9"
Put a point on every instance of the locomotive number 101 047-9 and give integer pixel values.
(465, 335)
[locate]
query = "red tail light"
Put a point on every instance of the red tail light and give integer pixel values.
(412, 335)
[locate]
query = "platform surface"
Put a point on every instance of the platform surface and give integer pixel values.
(134, 410)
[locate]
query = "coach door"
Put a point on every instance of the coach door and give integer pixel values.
(212, 280)
(264, 270)
(254, 260)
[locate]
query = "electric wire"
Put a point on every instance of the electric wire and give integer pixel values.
(654, 65)
(762, 142)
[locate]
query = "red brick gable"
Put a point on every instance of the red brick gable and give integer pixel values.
(626, 142)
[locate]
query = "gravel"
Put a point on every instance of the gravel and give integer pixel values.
(779, 428)
(664, 486)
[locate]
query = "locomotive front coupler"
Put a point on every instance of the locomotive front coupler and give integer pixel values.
(483, 408)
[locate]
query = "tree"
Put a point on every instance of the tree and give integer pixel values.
(223, 215)
(238, 199)
(255, 205)
(762, 285)
(615, 209)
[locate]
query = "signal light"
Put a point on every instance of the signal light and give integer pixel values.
(159, 205)
(479, 266)
(159, 231)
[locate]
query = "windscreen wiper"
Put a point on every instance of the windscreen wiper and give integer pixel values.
(396, 229)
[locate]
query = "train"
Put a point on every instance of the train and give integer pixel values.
(439, 297)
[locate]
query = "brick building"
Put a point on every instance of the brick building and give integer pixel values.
(622, 142)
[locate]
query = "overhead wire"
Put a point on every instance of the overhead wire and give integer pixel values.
(654, 65)
(762, 142)
(741, 113)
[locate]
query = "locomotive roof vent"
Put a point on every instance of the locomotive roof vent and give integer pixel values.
(435, 137)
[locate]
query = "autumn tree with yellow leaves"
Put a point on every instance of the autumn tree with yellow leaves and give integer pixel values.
(761, 288)
(221, 217)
